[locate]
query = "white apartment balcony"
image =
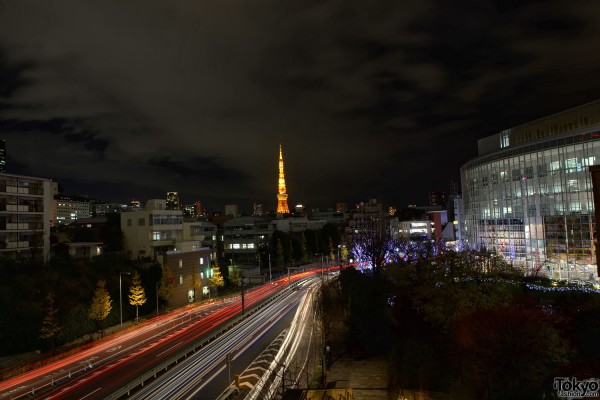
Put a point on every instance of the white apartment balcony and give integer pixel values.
(14, 245)
(167, 227)
(17, 208)
(17, 226)
(163, 242)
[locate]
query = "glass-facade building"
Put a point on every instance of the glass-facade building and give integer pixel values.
(528, 195)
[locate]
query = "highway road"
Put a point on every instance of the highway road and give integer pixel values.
(119, 361)
(192, 378)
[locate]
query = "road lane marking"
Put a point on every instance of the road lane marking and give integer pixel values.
(89, 394)
(169, 349)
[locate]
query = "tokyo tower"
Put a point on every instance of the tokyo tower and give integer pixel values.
(282, 205)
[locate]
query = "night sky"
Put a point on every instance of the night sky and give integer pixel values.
(371, 99)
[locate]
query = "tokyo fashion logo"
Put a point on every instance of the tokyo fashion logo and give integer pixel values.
(576, 389)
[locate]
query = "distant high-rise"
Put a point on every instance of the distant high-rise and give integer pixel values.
(199, 210)
(257, 210)
(233, 210)
(173, 201)
(341, 207)
(437, 199)
(282, 204)
(135, 204)
(2, 156)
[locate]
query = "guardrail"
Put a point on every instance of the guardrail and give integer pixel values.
(184, 353)
(88, 364)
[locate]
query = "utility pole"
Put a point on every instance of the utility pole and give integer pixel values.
(242, 282)
(121, 296)
(229, 366)
(270, 276)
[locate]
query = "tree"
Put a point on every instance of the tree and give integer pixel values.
(459, 283)
(111, 234)
(167, 285)
(101, 306)
(216, 279)
(279, 259)
(373, 244)
(303, 252)
(235, 277)
(137, 294)
(344, 254)
(508, 352)
(331, 252)
(50, 327)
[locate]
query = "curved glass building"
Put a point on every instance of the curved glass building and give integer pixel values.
(528, 194)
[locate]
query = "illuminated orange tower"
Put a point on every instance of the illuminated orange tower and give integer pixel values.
(282, 205)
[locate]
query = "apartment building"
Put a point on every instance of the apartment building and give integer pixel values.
(152, 230)
(25, 217)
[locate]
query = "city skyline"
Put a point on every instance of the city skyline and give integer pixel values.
(132, 100)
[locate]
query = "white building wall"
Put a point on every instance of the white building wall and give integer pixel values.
(25, 216)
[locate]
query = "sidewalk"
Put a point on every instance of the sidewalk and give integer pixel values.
(368, 379)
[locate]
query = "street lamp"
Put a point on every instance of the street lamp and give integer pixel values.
(121, 296)
(270, 275)
(241, 276)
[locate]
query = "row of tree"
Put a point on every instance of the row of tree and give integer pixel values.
(27, 285)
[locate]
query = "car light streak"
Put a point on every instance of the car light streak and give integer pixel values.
(116, 353)
(192, 375)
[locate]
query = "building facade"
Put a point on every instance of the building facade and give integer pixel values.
(2, 156)
(152, 230)
(528, 194)
(191, 274)
(173, 202)
(243, 238)
(68, 209)
(25, 217)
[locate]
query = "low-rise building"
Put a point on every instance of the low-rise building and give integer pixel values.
(68, 209)
(152, 230)
(25, 216)
(191, 269)
(243, 237)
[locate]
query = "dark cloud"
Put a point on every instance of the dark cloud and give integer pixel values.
(11, 79)
(201, 168)
(133, 99)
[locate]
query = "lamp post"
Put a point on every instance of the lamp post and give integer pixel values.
(259, 267)
(121, 296)
(242, 282)
(270, 276)
(241, 275)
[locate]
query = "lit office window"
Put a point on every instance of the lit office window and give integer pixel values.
(504, 140)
